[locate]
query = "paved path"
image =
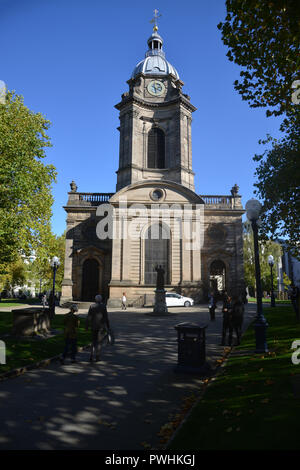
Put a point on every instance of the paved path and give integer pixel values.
(117, 404)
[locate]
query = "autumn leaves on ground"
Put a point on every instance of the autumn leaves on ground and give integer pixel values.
(253, 402)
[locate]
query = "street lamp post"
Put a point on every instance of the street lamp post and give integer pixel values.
(271, 264)
(253, 209)
(54, 264)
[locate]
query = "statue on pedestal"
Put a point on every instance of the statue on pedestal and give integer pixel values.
(160, 280)
(160, 293)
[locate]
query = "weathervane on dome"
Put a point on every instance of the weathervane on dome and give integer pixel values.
(154, 20)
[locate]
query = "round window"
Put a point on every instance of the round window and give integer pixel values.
(157, 194)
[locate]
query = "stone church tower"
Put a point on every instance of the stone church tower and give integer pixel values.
(156, 216)
(155, 123)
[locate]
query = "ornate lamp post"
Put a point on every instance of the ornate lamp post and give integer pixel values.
(271, 264)
(54, 265)
(253, 209)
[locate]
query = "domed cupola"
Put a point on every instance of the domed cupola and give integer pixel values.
(155, 62)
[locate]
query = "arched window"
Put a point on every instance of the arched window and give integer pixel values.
(156, 148)
(217, 276)
(156, 252)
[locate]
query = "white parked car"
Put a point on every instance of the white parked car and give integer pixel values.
(177, 300)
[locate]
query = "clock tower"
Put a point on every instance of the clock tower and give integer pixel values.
(155, 123)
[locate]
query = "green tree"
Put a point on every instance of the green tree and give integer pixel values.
(266, 248)
(286, 281)
(278, 185)
(38, 272)
(25, 181)
(15, 275)
(263, 37)
(40, 269)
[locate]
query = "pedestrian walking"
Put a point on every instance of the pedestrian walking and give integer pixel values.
(51, 304)
(226, 302)
(212, 306)
(295, 299)
(71, 324)
(124, 300)
(97, 318)
(44, 301)
(227, 318)
(245, 297)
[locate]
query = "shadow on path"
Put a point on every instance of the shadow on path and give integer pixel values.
(118, 403)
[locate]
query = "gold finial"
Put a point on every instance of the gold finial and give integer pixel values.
(154, 20)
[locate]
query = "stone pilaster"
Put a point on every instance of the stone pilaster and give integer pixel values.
(67, 283)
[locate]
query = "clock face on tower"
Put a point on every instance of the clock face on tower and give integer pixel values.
(156, 88)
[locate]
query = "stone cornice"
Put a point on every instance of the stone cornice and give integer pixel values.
(223, 211)
(82, 208)
(155, 170)
(146, 104)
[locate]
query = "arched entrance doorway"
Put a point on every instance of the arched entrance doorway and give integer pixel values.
(217, 277)
(90, 279)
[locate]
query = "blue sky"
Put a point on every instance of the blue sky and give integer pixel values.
(71, 59)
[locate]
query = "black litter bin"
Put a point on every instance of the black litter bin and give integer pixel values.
(191, 348)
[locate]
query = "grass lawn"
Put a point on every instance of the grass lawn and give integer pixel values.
(17, 302)
(268, 301)
(20, 353)
(251, 405)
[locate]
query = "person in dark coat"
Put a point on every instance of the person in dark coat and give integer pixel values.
(226, 310)
(236, 319)
(226, 302)
(97, 318)
(295, 299)
(51, 304)
(71, 324)
(212, 306)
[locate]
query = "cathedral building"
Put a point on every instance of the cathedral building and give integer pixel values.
(115, 240)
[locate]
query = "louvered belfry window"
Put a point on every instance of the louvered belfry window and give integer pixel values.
(156, 148)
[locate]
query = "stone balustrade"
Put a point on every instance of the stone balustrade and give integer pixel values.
(95, 199)
(88, 199)
(222, 202)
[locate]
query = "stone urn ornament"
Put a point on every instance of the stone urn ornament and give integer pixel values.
(73, 187)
